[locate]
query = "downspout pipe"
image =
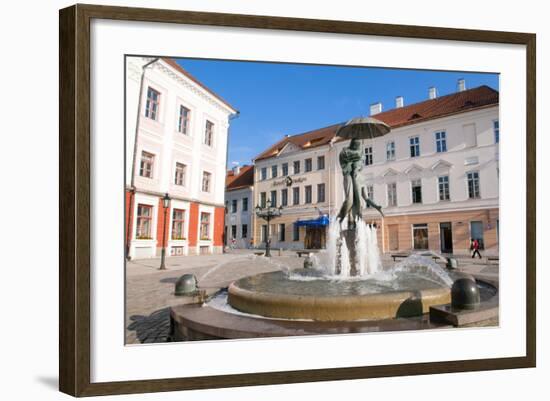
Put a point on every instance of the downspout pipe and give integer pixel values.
(134, 156)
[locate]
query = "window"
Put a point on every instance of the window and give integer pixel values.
(179, 176)
(420, 236)
(390, 150)
(284, 197)
(444, 194)
(297, 167)
(263, 173)
(308, 193)
(233, 231)
(178, 220)
(206, 178)
(264, 232)
(370, 193)
(308, 165)
(414, 144)
(144, 221)
(473, 184)
(496, 131)
(281, 232)
(205, 226)
(295, 232)
(146, 164)
(152, 104)
(263, 199)
(368, 155)
(321, 163)
(273, 171)
(209, 133)
(441, 141)
(183, 120)
(416, 186)
(285, 169)
(320, 193)
(244, 231)
(234, 206)
(392, 194)
(274, 198)
(245, 205)
(296, 196)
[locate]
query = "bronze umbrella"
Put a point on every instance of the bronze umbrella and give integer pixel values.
(363, 128)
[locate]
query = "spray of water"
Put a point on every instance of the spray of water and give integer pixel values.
(426, 267)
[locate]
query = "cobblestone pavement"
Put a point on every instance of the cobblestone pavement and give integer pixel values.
(150, 292)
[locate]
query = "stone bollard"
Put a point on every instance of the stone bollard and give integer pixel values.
(308, 262)
(280, 251)
(186, 285)
(465, 293)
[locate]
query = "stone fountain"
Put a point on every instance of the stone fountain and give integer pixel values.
(344, 285)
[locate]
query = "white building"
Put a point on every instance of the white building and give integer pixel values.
(176, 144)
(239, 206)
(435, 174)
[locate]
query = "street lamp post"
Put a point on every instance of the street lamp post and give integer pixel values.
(166, 205)
(268, 213)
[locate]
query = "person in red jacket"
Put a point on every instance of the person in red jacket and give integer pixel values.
(475, 248)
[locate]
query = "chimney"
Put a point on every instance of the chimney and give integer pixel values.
(398, 102)
(432, 92)
(236, 170)
(375, 108)
(461, 85)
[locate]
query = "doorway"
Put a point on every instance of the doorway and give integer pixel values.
(393, 236)
(315, 238)
(446, 237)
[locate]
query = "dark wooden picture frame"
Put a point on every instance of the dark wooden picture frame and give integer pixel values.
(74, 199)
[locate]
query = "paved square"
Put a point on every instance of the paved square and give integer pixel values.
(150, 292)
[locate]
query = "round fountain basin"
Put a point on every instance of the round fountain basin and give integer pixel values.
(307, 295)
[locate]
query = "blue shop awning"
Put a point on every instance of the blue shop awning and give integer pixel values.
(318, 222)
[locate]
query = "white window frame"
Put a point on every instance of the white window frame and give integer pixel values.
(210, 183)
(441, 142)
(153, 160)
(412, 197)
(369, 156)
(147, 113)
(210, 141)
(448, 189)
(187, 131)
(415, 145)
(390, 150)
(184, 174)
(394, 194)
(478, 184)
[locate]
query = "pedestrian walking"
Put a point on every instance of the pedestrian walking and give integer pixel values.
(475, 248)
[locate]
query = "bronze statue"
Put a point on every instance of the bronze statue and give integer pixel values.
(351, 162)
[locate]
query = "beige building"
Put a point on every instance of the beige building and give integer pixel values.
(436, 176)
(296, 173)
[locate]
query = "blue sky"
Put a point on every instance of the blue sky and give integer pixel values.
(277, 99)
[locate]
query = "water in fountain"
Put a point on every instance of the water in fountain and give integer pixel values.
(426, 267)
(335, 262)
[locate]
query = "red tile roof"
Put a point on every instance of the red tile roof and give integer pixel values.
(172, 63)
(244, 179)
(455, 103)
